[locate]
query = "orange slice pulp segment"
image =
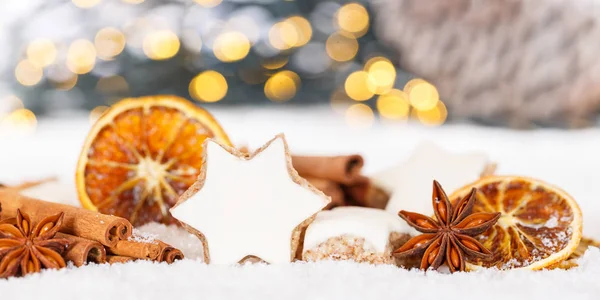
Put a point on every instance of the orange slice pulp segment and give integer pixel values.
(141, 155)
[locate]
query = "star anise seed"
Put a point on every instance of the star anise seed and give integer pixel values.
(26, 249)
(449, 237)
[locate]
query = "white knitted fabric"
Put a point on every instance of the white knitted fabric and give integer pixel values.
(513, 60)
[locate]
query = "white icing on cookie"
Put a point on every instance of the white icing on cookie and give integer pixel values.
(374, 225)
(249, 206)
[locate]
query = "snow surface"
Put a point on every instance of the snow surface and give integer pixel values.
(568, 159)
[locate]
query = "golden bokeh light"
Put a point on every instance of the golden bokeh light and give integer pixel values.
(86, 3)
(423, 95)
(41, 52)
(275, 63)
(112, 85)
(303, 29)
(28, 73)
(359, 116)
(96, 113)
(208, 86)
(341, 47)
(81, 56)
(353, 18)
(359, 87)
(66, 84)
(22, 120)
(231, 46)
(109, 43)
(382, 74)
(433, 117)
(161, 44)
(282, 86)
(393, 105)
(283, 35)
(208, 3)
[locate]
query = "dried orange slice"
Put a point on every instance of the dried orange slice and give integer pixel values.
(540, 225)
(141, 155)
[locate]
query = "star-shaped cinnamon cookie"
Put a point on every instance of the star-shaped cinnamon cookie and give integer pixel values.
(248, 205)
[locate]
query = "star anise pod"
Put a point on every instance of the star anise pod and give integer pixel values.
(26, 249)
(449, 238)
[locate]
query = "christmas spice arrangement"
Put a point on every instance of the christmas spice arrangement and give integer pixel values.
(37, 234)
(163, 159)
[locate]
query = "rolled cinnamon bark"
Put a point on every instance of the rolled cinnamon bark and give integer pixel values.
(366, 194)
(117, 259)
(134, 249)
(168, 254)
(330, 189)
(341, 169)
(105, 229)
(82, 251)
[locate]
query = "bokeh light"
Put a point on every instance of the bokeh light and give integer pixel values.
(275, 63)
(359, 116)
(423, 95)
(208, 86)
(96, 113)
(393, 105)
(283, 35)
(133, 1)
(28, 73)
(109, 43)
(161, 44)
(86, 3)
(303, 29)
(208, 3)
(81, 56)
(353, 18)
(282, 86)
(382, 74)
(433, 117)
(341, 47)
(21, 120)
(231, 46)
(66, 84)
(41, 52)
(358, 86)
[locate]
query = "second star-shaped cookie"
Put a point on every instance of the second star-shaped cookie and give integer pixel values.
(244, 206)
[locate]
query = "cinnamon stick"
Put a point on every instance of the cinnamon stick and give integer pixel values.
(82, 251)
(341, 169)
(105, 229)
(366, 194)
(329, 188)
(168, 253)
(117, 259)
(135, 249)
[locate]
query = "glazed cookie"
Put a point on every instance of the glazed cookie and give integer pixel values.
(355, 233)
(248, 207)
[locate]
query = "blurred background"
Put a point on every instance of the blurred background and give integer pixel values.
(521, 64)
